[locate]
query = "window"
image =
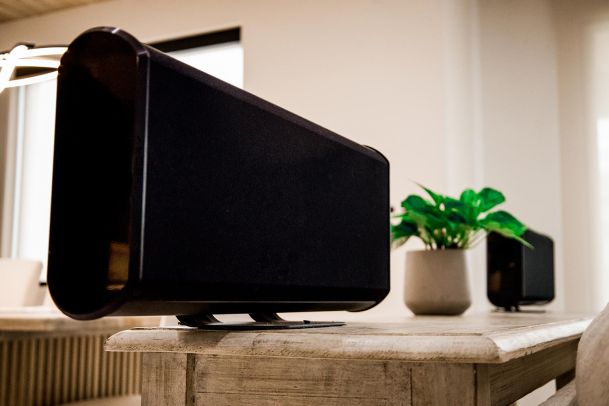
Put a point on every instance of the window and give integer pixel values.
(219, 53)
(27, 166)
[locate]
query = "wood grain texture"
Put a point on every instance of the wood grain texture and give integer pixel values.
(15, 9)
(491, 338)
(443, 384)
(277, 399)
(512, 380)
(164, 380)
(472, 360)
(483, 385)
(259, 380)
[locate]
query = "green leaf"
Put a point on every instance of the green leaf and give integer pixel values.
(445, 222)
(471, 206)
(400, 233)
(456, 217)
(505, 224)
(469, 197)
(436, 197)
(510, 234)
(453, 204)
(414, 202)
(427, 219)
(504, 221)
(490, 198)
(404, 229)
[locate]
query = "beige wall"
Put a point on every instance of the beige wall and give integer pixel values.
(585, 276)
(519, 115)
(4, 108)
(373, 71)
(8, 152)
(455, 93)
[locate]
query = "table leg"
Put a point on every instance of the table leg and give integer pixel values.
(164, 379)
(564, 379)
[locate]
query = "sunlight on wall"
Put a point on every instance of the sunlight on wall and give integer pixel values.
(35, 163)
(598, 88)
(602, 131)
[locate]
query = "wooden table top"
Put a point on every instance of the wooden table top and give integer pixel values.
(478, 338)
(47, 319)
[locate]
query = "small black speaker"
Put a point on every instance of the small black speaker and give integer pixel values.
(177, 193)
(518, 275)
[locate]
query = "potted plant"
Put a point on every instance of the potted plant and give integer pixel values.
(436, 278)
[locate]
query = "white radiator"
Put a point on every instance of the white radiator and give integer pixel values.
(52, 369)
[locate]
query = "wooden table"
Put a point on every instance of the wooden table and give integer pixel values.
(491, 359)
(47, 358)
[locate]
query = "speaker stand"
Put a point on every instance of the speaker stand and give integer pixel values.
(262, 321)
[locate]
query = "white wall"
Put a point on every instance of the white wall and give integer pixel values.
(519, 115)
(4, 155)
(585, 276)
(518, 122)
(456, 93)
(373, 71)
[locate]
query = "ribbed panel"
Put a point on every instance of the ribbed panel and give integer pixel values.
(40, 371)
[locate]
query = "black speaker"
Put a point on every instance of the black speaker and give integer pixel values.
(519, 275)
(177, 193)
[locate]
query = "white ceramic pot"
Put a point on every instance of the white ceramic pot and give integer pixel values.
(437, 282)
(591, 377)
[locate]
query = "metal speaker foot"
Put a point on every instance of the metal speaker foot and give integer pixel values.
(262, 321)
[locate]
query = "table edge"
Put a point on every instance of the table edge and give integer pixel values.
(485, 348)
